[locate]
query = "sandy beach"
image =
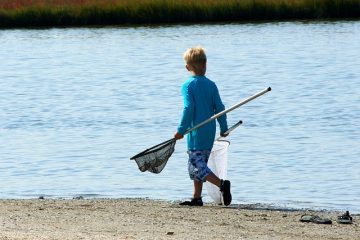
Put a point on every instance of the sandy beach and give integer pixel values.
(149, 219)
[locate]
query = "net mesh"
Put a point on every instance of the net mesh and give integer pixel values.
(154, 159)
(218, 164)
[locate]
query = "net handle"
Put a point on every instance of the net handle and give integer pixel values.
(229, 109)
(232, 128)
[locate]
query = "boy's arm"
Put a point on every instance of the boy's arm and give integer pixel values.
(188, 112)
(219, 106)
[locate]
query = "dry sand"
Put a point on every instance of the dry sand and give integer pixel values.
(148, 219)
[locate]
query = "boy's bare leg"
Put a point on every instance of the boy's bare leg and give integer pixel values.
(213, 179)
(199, 185)
(197, 189)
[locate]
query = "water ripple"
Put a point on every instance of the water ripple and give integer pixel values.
(77, 103)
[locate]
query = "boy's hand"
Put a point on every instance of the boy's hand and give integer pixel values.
(178, 136)
(224, 134)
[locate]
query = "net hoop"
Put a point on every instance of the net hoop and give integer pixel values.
(153, 149)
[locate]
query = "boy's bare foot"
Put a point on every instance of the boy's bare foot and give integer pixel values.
(225, 189)
(194, 202)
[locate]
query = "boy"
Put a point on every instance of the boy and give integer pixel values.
(201, 101)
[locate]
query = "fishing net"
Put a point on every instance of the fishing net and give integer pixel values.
(218, 164)
(154, 159)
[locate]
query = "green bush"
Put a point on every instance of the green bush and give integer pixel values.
(38, 13)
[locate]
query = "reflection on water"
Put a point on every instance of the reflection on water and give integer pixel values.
(77, 103)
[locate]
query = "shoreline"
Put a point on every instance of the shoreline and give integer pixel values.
(134, 218)
(271, 206)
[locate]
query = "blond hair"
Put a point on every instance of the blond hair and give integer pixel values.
(195, 56)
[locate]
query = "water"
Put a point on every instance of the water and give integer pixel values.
(77, 103)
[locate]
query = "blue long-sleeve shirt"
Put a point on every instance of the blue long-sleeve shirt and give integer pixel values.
(201, 101)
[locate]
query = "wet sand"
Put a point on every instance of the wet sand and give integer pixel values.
(149, 219)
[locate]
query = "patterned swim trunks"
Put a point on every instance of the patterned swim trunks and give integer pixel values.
(197, 165)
